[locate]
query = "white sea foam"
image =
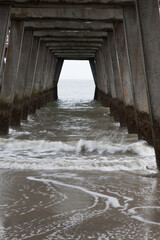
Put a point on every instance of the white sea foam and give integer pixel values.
(140, 148)
(82, 154)
(134, 214)
(110, 200)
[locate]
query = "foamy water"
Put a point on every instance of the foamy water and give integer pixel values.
(82, 154)
(74, 133)
(70, 172)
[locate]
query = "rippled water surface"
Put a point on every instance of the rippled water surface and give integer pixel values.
(70, 172)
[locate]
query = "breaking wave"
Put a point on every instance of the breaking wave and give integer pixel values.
(82, 154)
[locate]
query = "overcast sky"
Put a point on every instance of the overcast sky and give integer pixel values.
(76, 70)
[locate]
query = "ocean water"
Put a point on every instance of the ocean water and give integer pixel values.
(70, 172)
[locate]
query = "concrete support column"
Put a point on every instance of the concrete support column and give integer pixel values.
(118, 108)
(10, 75)
(137, 73)
(50, 84)
(104, 54)
(99, 74)
(37, 78)
(125, 75)
(4, 25)
(105, 97)
(149, 24)
(105, 83)
(47, 76)
(42, 79)
(21, 77)
(109, 70)
(94, 73)
(30, 75)
(58, 69)
(102, 79)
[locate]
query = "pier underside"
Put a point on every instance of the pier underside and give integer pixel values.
(119, 38)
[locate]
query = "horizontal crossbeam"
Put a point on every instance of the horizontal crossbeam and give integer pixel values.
(67, 13)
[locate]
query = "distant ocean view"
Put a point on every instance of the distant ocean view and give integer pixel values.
(75, 89)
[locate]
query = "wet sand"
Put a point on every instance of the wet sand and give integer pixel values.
(74, 205)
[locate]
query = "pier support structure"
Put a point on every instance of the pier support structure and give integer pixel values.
(125, 77)
(119, 38)
(29, 78)
(118, 107)
(110, 74)
(35, 97)
(58, 69)
(149, 25)
(10, 75)
(94, 73)
(137, 74)
(19, 88)
(4, 28)
(103, 88)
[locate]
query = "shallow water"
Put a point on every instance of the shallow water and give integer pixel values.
(70, 172)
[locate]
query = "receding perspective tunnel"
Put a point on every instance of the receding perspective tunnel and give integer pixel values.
(76, 81)
(119, 38)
